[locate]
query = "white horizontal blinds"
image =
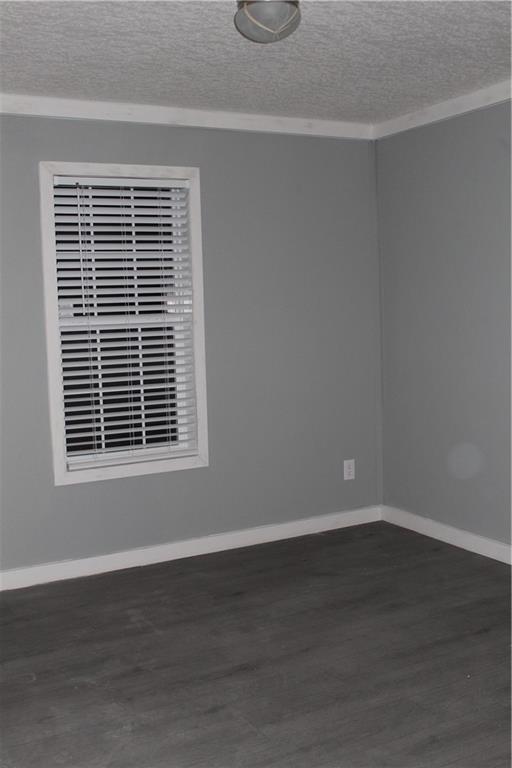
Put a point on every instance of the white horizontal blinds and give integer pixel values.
(124, 285)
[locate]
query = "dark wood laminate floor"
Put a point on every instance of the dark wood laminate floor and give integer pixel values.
(370, 647)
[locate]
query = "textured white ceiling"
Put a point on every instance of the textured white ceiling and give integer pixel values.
(353, 61)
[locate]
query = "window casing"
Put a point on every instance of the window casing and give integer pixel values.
(124, 319)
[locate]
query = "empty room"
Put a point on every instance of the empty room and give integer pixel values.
(255, 384)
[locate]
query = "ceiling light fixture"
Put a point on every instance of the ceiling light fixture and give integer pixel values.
(267, 21)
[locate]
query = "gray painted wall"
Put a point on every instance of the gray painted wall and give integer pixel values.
(292, 334)
(292, 340)
(444, 213)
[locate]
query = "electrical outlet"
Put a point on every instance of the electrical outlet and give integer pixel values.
(349, 469)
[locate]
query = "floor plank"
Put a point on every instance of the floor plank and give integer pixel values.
(370, 647)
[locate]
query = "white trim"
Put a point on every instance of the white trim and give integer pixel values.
(484, 97)
(497, 550)
(62, 474)
(70, 569)
(17, 578)
(44, 106)
(48, 106)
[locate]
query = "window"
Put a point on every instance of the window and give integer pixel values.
(124, 316)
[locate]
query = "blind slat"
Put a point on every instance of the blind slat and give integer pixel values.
(115, 392)
(95, 258)
(137, 408)
(128, 333)
(101, 219)
(101, 323)
(114, 432)
(174, 211)
(162, 451)
(74, 349)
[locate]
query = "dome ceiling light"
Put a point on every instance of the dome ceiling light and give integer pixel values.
(267, 21)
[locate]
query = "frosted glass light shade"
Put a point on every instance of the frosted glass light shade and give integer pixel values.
(267, 21)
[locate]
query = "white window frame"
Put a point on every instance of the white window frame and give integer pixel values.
(47, 171)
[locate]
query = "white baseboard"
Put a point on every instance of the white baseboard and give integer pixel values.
(16, 578)
(497, 550)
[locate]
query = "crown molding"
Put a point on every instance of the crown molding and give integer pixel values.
(484, 97)
(78, 109)
(45, 106)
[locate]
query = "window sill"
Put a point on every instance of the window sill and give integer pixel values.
(135, 469)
